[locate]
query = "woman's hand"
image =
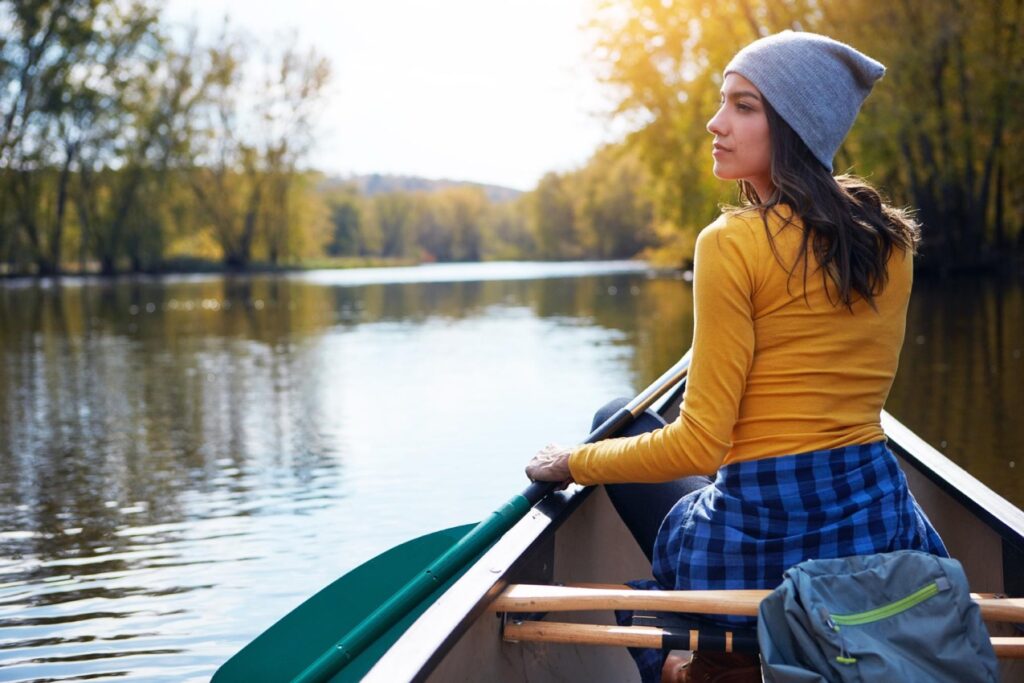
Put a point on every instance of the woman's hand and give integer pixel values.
(551, 464)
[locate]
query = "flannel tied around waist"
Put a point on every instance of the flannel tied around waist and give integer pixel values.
(761, 517)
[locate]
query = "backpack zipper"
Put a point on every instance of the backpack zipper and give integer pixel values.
(844, 656)
(893, 608)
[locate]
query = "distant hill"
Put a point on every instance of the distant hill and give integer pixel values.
(377, 183)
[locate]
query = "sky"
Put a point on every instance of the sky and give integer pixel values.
(489, 91)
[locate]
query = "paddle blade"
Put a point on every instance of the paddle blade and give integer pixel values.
(282, 652)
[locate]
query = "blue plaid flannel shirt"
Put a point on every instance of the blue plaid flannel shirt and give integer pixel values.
(763, 516)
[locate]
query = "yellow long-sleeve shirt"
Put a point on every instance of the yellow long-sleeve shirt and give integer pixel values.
(772, 373)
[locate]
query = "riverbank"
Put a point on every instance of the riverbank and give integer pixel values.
(197, 266)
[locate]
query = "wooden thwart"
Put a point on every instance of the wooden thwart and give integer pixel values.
(539, 598)
(654, 637)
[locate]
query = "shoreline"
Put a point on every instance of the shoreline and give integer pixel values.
(198, 267)
(195, 266)
(312, 265)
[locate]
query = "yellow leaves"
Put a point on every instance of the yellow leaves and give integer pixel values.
(934, 127)
(200, 244)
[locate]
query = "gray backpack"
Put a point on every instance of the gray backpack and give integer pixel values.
(900, 616)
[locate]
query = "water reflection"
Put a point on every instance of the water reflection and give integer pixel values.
(961, 378)
(183, 460)
(173, 450)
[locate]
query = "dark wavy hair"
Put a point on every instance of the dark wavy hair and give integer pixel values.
(848, 223)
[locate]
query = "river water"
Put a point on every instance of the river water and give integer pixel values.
(185, 459)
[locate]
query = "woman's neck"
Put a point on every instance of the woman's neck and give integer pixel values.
(763, 188)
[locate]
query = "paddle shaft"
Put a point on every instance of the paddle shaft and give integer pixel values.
(669, 639)
(472, 544)
(654, 637)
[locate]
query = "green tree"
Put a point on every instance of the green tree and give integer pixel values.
(614, 206)
(47, 101)
(434, 238)
(391, 215)
(463, 211)
(251, 152)
(346, 223)
(552, 219)
(509, 233)
(143, 131)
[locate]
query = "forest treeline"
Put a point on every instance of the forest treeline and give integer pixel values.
(129, 144)
(125, 142)
(601, 211)
(942, 131)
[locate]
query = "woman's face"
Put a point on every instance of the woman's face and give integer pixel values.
(742, 147)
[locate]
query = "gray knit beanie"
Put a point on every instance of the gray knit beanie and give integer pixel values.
(816, 84)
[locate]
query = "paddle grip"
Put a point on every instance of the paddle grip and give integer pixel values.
(539, 490)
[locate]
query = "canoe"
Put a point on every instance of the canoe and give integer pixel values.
(575, 537)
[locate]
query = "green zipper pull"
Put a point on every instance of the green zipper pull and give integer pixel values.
(844, 656)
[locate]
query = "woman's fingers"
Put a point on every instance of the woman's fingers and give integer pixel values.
(551, 463)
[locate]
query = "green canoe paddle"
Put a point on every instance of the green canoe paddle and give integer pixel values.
(341, 632)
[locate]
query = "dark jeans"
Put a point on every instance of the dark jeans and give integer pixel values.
(643, 506)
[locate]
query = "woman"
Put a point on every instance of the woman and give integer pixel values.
(800, 301)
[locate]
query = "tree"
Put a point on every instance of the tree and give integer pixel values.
(509, 234)
(942, 126)
(254, 136)
(102, 112)
(552, 219)
(463, 212)
(346, 223)
(391, 215)
(46, 95)
(614, 207)
(138, 133)
(434, 237)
